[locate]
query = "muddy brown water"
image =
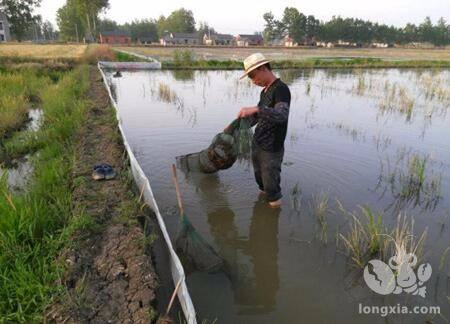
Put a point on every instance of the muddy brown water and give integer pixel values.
(352, 137)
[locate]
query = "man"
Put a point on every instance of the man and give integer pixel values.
(271, 116)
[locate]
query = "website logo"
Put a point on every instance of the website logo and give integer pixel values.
(399, 275)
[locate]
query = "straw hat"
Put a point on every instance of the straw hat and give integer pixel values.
(252, 62)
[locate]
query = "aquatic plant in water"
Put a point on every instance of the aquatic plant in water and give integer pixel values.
(411, 181)
(369, 238)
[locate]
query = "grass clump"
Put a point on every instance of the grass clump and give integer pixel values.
(14, 113)
(183, 57)
(96, 52)
(320, 210)
(18, 91)
(369, 238)
(34, 225)
(411, 181)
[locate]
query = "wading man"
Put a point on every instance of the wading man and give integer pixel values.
(271, 117)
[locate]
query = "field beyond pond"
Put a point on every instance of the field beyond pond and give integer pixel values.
(53, 51)
(280, 53)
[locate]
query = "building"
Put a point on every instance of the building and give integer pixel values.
(218, 39)
(145, 40)
(115, 37)
(181, 39)
(249, 40)
(4, 28)
(286, 41)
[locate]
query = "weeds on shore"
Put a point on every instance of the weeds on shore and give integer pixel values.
(35, 224)
(18, 92)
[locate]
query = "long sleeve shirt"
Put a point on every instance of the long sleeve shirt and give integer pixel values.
(272, 117)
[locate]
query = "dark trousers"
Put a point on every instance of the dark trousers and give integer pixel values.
(267, 167)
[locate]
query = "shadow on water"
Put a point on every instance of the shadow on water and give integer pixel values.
(251, 260)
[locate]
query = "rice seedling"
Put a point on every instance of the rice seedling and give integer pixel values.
(296, 194)
(443, 260)
(167, 95)
(368, 237)
(435, 88)
(411, 181)
(361, 86)
(320, 210)
(355, 133)
(363, 239)
(308, 88)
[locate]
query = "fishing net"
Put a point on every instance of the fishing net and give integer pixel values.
(227, 147)
(195, 253)
(242, 133)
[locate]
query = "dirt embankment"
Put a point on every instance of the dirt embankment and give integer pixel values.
(110, 276)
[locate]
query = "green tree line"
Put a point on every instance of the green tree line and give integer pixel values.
(305, 29)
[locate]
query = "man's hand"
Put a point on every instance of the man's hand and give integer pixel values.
(247, 111)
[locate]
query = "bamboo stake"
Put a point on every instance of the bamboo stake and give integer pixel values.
(177, 188)
(173, 296)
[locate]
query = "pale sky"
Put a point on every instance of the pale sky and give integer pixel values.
(243, 16)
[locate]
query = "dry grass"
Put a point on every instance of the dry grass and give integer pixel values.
(40, 51)
(95, 53)
(233, 53)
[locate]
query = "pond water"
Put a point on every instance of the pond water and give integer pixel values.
(18, 171)
(374, 138)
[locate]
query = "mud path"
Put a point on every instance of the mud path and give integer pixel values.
(110, 276)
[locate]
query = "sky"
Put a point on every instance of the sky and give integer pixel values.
(244, 16)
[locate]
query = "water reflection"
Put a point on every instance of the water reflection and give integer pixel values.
(251, 260)
(183, 75)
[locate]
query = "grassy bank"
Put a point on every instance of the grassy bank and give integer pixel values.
(35, 224)
(18, 92)
(307, 63)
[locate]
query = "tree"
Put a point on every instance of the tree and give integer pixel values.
(20, 15)
(294, 24)
(79, 18)
(312, 26)
(270, 29)
(179, 21)
(88, 11)
(203, 29)
(70, 24)
(441, 36)
(409, 34)
(426, 30)
(106, 25)
(145, 28)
